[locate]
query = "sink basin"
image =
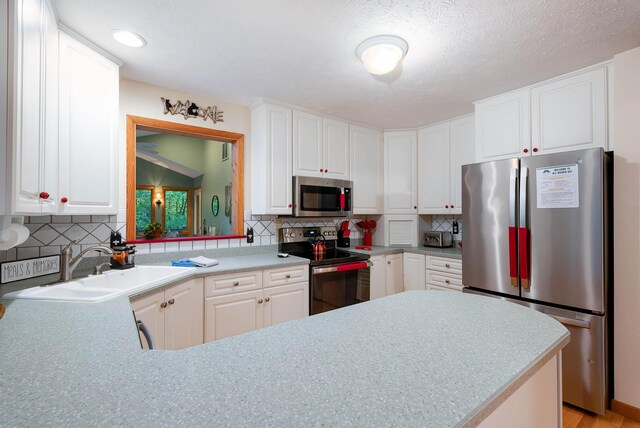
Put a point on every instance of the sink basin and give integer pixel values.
(97, 288)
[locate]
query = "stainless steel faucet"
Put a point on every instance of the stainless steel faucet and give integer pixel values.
(68, 263)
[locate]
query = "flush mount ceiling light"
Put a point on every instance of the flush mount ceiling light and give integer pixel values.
(128, 38)
(381, 54)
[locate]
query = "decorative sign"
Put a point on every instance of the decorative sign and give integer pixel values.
(189, 109)
(30, 268)
(558, 186)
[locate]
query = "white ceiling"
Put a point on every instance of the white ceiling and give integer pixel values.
(302, 52)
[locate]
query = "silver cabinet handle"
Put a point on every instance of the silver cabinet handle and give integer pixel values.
(236, 283)
(260, 301)
(267, 299)
(288, 276)
(171, 301)
(389, 262)
(163, 305)
(447, 281)
(572, 322)
(447, 265)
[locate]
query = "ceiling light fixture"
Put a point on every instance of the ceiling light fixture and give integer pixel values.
(381, 54)
(128, 38)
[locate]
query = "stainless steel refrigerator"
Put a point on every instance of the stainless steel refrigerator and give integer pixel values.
(536, 232)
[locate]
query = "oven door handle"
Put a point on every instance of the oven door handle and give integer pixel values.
(341, 268)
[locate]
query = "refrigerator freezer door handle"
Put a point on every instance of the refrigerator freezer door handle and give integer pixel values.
(572, 322)
(513, 249)
(523, 231)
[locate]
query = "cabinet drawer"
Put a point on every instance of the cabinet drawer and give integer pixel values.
(440, 288)
(283, 276)
(443, 279)
(232, 283)
(443, 264)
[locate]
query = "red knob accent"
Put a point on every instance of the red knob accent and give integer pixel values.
(446, 206)
(535, 150)
(290, 205)
(64, 200)
(321, 170)
(44, 195)
(525, 150)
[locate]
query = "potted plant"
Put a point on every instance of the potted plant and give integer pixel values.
(153, 230)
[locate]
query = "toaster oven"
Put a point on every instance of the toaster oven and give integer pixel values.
(438, 239)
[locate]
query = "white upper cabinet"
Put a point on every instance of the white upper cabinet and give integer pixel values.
(503, 126)
(88, 145)
(367, 163)
(335, 149)
(400, 172)
(442, 150)
(307, 144)
(320, 146)
(570, 113)
(271, 160)
(32, 45)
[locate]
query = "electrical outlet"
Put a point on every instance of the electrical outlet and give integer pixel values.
(455, 227)
(249, 235)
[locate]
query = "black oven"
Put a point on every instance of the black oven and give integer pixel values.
(337, 286)
(321, 197)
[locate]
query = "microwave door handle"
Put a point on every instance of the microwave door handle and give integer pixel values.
(513, 249)
(342, 199)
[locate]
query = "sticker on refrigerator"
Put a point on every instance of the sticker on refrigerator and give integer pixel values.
(558, 186)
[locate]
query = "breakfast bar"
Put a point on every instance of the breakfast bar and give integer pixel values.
(418, 358)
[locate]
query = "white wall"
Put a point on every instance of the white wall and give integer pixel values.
(627, 227)
(142, 99)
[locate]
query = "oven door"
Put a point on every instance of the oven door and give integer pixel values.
(337, 286)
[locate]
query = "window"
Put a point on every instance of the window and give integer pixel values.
(176, 216)
(145, 213)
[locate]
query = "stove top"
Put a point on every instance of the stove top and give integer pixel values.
(331, 256)
(297, 242)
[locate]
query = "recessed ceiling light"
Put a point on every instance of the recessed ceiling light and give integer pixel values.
(381, 54)
(128, 38)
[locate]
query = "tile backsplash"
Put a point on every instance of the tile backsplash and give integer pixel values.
(444, 223)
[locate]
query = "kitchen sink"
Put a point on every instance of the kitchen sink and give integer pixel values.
(97, 288)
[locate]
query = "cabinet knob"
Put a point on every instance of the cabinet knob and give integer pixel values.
(171, 301)
(64, 200)
(44, 195)
(288, 275)
(389, 262)
(535, 150)
(267, 299)
(525, 150)
(446, 265)
(163, 304)
(236, 283)
(326, 170)
(415, 207)
(447, 281)
(290, 205)
(446, 206)
(452, 206)
(260, 301)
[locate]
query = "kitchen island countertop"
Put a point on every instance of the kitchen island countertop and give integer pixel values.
(415, 358)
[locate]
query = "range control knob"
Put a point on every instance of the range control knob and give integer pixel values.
(292, 235)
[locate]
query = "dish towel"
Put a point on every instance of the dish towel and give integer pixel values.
(195, 262)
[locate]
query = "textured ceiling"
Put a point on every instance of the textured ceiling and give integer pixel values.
(302, 52)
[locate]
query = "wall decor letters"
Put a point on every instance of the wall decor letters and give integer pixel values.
(190, 109)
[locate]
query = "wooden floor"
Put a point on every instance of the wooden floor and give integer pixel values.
(576, 418)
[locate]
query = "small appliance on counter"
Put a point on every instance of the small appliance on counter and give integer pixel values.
(438, 239)
(344, 235)
(123, 255)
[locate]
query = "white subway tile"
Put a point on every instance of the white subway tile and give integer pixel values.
(186, 246)
(171, 246)
(211, 244)
(156, 247)
(142, 248)
(199, 245)
(28, 253)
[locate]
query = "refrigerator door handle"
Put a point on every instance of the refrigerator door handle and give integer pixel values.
(513, 260)
(570, 321)
(523, 231)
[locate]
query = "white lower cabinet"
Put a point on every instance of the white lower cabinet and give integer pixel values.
(174, 316)
(443, 273)
(413, 266)
(393, 274)
(378, 277)
(285, 297)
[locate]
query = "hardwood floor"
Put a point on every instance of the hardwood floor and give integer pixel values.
(576, 418)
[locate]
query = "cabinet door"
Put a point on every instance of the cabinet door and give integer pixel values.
(461, 150)
(570, 113)
(233, 314)
(394, 274)
(377, 278)
(307, 144)
(367, 155)
(28, 102)
(271, 160)
(184, 315)
(503, 126)
(397, 230)
(149, 310)
(286, 303)
(433, 169)
(413, 267)
(400, 177)
(88, 144)
(335, 148)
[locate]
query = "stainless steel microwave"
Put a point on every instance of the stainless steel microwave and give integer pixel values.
(321, 197)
